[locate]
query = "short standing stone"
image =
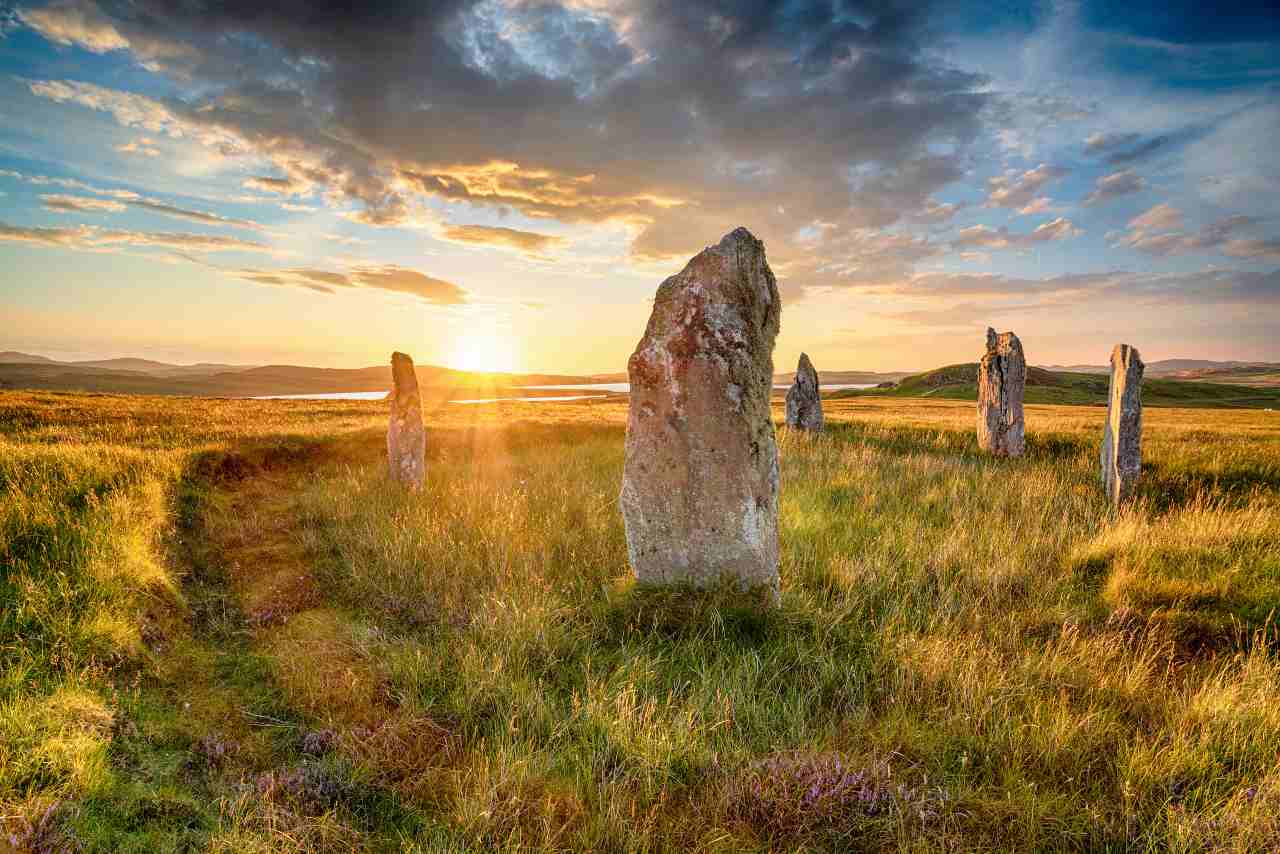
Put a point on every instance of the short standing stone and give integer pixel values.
(804, 404)
(406, 437)
(700, 485)
(1002, 377)
(1122, 437)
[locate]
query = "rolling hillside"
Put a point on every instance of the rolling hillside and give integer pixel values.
(959, 382)
(140, 376)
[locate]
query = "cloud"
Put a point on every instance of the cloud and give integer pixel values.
(142, 146)
(386, 277)
(80, 204)
(204, 217)
(1217, 237)
(70, 23)
(1113, 186)
(281, 186)
(1002, 238)
(935, 212)
(1162, 217)
(1038, 205)
(1100, 143)
(90, 238)
(985, 294)
(68, 204)
(676, 120)
(1253, 248)
(68, 184)
(1014, 190)
(1120, 148)
(526, 242)
(132, 110)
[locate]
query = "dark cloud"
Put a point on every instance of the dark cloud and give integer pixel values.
(681, 119)
(1119, 149)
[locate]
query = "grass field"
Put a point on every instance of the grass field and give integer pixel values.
(223, 629)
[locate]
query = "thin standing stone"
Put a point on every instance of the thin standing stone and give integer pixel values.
(406, 437)
(1002, 378)
(1122, 437)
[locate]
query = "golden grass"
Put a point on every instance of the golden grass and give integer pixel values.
(1004, 662)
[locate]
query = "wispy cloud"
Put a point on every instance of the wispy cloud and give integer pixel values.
(386, 277)
(526, 242)
(80, 204)
(90, 238)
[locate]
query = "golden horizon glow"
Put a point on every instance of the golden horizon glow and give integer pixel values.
(486, 349)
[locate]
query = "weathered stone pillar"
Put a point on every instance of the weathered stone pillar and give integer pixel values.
(700, 485)
(1002, 378)
(804, 403)
(1122, 437)
(406, 437)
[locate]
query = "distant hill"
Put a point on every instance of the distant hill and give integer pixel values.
(142, 376)
(14, 357)
(144, 366)
(1180, 368)
(1169, 382)
(960, 382)
(161, 369)
(843, 377)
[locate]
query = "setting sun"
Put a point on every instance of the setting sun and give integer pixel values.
(484, 348)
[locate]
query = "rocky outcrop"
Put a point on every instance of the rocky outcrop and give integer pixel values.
(1002, 379)
(1122, 437)
(406, 437)
(700, 484)
(804, 404)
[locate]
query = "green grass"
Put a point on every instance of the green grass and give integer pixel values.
(230, 632)
(959, 382)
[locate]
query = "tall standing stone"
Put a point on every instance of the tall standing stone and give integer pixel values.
(1002, 378)
(700, 484)
(804, 403)
(1122, 437)
(406, 437)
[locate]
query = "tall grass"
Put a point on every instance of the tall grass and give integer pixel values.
(970, 654)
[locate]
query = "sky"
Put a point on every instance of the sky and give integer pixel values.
(503, 184)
